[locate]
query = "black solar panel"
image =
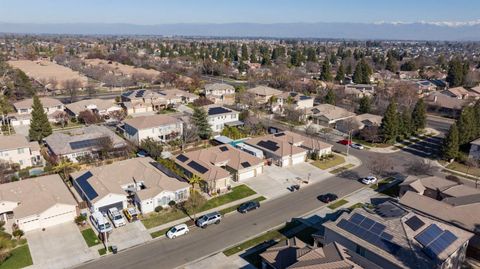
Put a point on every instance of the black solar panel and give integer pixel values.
(182, 158)
(217, 110)
(84, 144)
(139, 93)
(245, 164)
(223, 148)
(279, 134)
(357, 218)
(89, 191)
(414, 223)
(197, 167)
(367, 223)
(440, 244)
(270, 145)
(127, 93)
(428, 235)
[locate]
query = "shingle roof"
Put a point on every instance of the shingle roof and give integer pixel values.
(100, 104)
(330, 112)
(147, 122)
(265, 91)
(13, 142)
(46, 102)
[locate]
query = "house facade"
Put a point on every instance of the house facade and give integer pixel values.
(16, 149)
(102, 107)
(23, 110)
(219, 116)
(160, 128)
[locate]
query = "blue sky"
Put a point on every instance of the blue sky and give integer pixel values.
(224, 11)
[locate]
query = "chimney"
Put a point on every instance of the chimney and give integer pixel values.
(435, 99)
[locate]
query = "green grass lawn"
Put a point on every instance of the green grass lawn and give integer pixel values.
(357, 205)
(464, 169)
(342, 169)
(338, 204)
(90, 237)
(20, 258)
(371, 145)
(326, 164)
(237, 193)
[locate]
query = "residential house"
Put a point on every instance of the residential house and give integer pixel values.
(102, 107)
(408, 75)
(358, 123)
(460, 93)
(23, 110)
(161, 128)
(220, 93)
(211, 164)
(16, 149)
(141, 101)
(36, 203)
(476, 89)
(174, 97)
(141, 182)
(360, 90)
(295, 100)
(219, 116)
(293, 253)
(391, 236)
(426, 86)
(445, 105)
(474, 152)
(327, 115)
(289, 148)
(263, 94)
(80, 142)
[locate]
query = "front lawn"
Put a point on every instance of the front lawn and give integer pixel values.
(270, 235)
(338, 204)
(329, 163)
(371, 145)
(90, 237)
(20, 258)
(166, 216)
(342, 169)
(464, 169)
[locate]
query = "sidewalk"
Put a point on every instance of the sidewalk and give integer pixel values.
(185, 219)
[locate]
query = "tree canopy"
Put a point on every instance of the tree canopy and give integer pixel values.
(39, 124)
(199, 119)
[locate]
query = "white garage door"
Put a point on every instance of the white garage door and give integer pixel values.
(29, 225)
(246, 175)
(58, 219)
(298, 159)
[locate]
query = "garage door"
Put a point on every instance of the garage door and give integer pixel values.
(29, 225)
(104, 209)
(298, 159)
(246, 175)
(58, 219)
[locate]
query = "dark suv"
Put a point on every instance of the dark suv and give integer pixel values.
(248, 206)
(327, 198)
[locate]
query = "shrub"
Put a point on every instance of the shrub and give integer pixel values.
(80, 219)
(172, 203)
(18, 233)
(158, 209)
(2, 223)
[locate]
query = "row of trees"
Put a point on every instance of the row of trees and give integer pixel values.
(401, 124)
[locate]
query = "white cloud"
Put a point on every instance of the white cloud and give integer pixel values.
(436, 23)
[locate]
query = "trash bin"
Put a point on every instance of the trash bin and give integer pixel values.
(114, 249)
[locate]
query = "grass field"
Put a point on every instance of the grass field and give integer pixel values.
(342, 169)
(473, 171)
(337, 204)
(326, 164)
(90, 237)
(20, 257)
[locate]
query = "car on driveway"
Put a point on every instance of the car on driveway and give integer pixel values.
(100, 222)
(116, 217)
(369, 180)
(345, 142)
(357, 146)
(327, 198)
(248, 206)
(208, 219)
(131, 214)
(178, 230)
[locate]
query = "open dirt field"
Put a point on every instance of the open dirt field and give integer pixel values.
(121, 69)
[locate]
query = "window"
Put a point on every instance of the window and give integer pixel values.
(180, 195)
(360, 250)
(20, 151)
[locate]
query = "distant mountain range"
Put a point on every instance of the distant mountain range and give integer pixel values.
(448, 31)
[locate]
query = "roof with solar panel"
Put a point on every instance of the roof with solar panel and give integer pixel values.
(401, 236)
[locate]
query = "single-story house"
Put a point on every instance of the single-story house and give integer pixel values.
(101, 106)
(37, 203)
(445, 105)
(17, 149)
(142, 181)
(358, 122)
(263, 93)
(157, 127)
(327, 115)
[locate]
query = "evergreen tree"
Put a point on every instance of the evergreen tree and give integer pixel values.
(340, 77)
(330, 97)
(365, 105)
(349, 70)
(244, 52)
(362, 72)
(451, 143)
(466, 126)
(199, 119)
(391, 64)
(456, 73)
(311, 55)
(389, 125)
(419, 116)
(407, 128)
(39, 124)
(326, 75)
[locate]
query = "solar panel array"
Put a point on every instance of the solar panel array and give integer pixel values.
(435, 240)
(197, 167)
(182, 158)
(139, 93)
(218, 110)
(414, 223)
(270, 145)
(127, 93)
(89, 191)
(84, 144)
(370, 231)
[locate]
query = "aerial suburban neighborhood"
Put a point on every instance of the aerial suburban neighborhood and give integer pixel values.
(250, 134)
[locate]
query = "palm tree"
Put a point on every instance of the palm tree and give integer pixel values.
(65, 167)
(194, 196)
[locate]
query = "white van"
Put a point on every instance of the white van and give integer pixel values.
(100, 222)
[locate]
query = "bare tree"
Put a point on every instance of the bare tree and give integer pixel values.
(380, 165)
(62, 118)
(189, 135)
(424, 167)
(72, 86)
(118, 115)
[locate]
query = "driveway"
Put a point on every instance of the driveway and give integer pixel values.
(60, 246)
(275, 180)
(129, 235)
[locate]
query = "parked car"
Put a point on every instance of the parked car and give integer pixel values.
(369, 180)
(293, 188)
(131, 214)
(248, 206)
(100, 222)
(345, 142)
(117, 219)
(178, 230)
(327, 198)
(208, 219)
(357, 146)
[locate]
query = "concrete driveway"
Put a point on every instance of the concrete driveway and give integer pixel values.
(275, 180)
(129, 235)
(61, 246)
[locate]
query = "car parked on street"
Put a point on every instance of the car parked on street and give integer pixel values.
(356, 146)
(131, 214)
(369, 180)
(345, 142)
(248, 206)
(208, 219)
(100, 222)
(327, 198)
(116, 217)
(178, 230)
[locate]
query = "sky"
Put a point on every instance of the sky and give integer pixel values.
(149, 12)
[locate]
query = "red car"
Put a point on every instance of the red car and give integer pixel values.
(345, 142)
